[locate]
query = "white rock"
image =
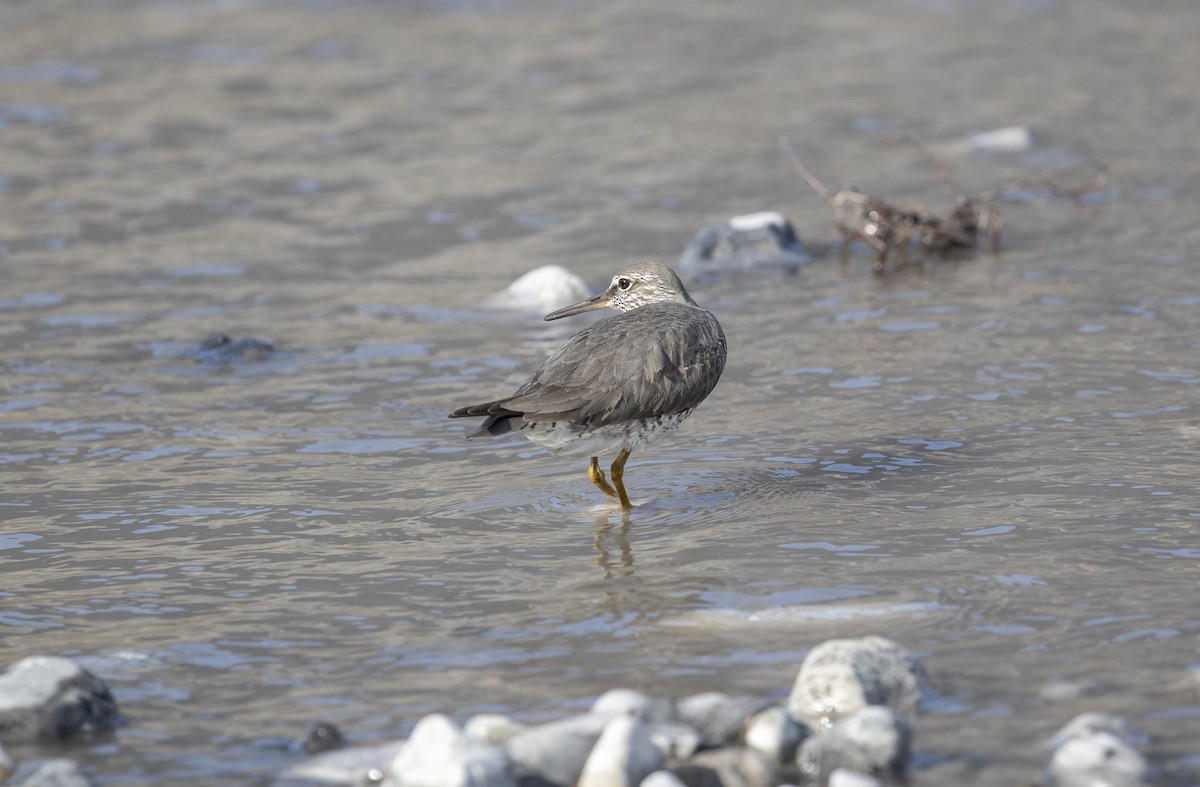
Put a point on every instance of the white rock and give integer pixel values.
(438, 754)
(844, 777)
(774, 733)
(546, 288)
(662, 779)
(492, 727)
(841, 676)
(343, 766)
(1086, 724)
(1098, 760)
(622, 757)
(627, 702)
(1010, 139)
(52, 698)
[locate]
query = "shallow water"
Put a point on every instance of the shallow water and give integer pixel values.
(991, 461)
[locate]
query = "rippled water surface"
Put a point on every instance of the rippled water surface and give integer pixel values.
(992, 461)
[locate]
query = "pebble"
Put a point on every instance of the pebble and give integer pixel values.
(617, 702)
(662, 779)
(342, 766)
(1010, 139)
(438, 754)
(844, 777)
(1099, 759)
(49, 698)
(545, 289)
(753, 240)
(873, 740)
(1099, 750)
(774, 733)
(735, 766)
(841, 676)
(492, 727)
(623, 756)
(555, 752)
(1087, 724)
(718, 718)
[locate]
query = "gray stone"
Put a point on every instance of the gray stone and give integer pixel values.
(1087, 724)
(676, 740)
(219, 348)
(554, 753)
(755, 240)
(49, 773)
(622, 757)
(438, 754)
(775, 734)
(1099, 759)
(873, 740)
(320, 736)
(47, 698)
(341, 767)
(840, 676)
(732, 766)
(719, 718)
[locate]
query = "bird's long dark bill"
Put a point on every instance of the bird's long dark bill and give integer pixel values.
(598, 302)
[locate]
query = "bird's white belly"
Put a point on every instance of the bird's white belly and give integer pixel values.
(568, 439)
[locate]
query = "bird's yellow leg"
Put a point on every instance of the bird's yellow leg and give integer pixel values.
(618, 473)
(597, 476)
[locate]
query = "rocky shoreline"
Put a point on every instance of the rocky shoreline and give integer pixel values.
(845, 723)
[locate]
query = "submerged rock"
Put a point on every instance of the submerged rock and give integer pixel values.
(754, 240)
(49, 773)
(438, 754)
(321, 736)
(219, 348)
(48, 698)
(840, 676)
(873, 740)
(342, 766)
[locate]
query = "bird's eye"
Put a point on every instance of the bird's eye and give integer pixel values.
(624, 283)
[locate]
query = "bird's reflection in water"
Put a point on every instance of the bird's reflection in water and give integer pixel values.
(609, 534)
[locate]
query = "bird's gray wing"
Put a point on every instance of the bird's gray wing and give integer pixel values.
(658, 360)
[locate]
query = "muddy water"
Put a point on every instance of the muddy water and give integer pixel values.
(992, 461)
